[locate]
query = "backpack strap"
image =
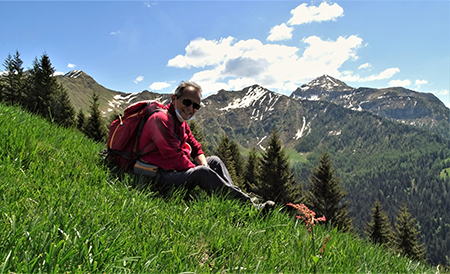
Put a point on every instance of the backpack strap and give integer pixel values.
(146, 149)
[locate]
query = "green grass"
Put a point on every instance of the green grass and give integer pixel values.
(295, 156)
(63, 212)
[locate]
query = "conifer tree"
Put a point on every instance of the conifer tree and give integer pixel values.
(2, 86)
(237, 158)
(276, 178)
(379, 230)
(325, 196)
(199, 136)
(81, 120)
(62, 109)
(223, 151)
(42, 87)
(13, 82)
(251, 171)
(95, 127)
(297, 194)
(406, 236)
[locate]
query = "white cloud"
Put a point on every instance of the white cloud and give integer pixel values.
(160, 85)
(71, 65)
(280, 32)
(3, 73)
(324, 12)
(115, 32)
(139, 79)
(420, 82)
(150, 4)
(235, 64)
(386, 74)
(56, 73)
(399, 83)
(348, 76)
(365, 66)
(440, 92)
(443, 92)
(201, 52)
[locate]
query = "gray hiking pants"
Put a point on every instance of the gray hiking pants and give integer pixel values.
(212, 179)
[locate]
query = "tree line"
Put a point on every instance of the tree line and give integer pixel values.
(38, 91)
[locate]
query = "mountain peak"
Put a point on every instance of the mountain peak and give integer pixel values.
(326, 83)
(73, 73)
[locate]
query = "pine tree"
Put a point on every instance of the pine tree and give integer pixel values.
(406, 236)
(199, 136)
(81, 120)
(62, 109)
(95, 127)
(379, 230)
(237, 158)
(42, 87)
(2, 87)
(276, 178)
(325, 196)
(13, 81)
(297, 194)
(251, 172)
(223, 151)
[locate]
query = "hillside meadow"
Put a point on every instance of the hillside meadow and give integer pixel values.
(62, 211)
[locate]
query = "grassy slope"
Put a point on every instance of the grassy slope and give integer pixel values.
(61, 211)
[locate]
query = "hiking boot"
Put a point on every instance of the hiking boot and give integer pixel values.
(265, 207)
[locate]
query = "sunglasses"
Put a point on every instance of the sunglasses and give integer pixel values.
(188, 102)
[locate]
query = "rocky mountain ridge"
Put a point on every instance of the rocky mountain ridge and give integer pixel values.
(397, 103)
(403, 105)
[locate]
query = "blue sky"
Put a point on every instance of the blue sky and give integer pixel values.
(131, 46)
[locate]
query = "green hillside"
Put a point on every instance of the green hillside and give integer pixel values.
(63, 212)
(81, 89)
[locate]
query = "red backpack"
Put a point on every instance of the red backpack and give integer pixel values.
(125, 132)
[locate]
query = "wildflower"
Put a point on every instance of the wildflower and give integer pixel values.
(322, 250)
(308, 216)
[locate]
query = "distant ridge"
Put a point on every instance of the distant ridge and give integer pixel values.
(399, 104)
(403, 105)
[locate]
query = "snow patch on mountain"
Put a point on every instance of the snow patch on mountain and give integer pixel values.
(119, 100)
(127, 98)
(334, 133)
(257, 97)
(326, 82)
(73, 74)
(320, 87)
(300, 131)
(260, 141)
(253, 95)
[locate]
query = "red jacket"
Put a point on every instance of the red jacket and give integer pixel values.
(169, 150)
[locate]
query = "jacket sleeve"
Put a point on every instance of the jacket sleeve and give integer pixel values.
(172, 155)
